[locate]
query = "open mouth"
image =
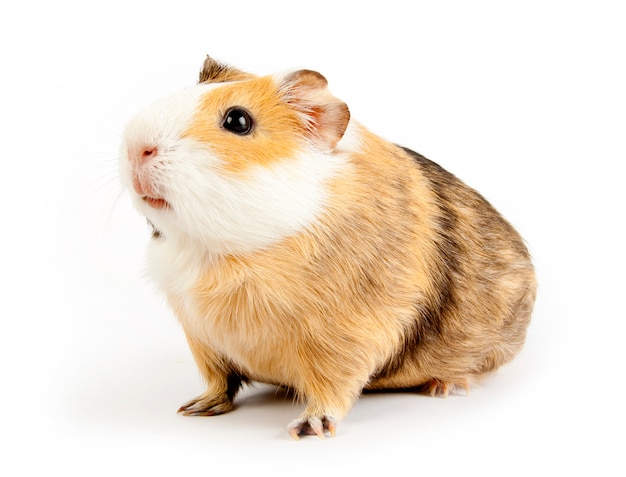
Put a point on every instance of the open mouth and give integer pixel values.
(156, 202)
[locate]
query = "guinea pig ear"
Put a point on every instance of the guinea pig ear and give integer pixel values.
(325, 117)
(214, 71)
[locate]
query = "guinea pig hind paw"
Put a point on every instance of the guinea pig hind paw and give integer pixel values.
(312, 426)
(440, 388)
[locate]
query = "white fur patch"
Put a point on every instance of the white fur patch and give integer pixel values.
(214, 212)
(229, 213)
(241, 215)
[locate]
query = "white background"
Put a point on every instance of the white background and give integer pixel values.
(525, 101)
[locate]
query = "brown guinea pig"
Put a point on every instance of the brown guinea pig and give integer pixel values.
(299, 249)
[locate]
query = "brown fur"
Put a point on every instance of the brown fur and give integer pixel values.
(408, 278)
(216, 72)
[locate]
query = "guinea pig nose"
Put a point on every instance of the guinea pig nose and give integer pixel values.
(148, 153)
(143, 154)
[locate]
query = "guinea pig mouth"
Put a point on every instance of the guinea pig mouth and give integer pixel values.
(156, 202)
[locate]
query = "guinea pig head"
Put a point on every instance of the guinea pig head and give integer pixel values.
(236, 165)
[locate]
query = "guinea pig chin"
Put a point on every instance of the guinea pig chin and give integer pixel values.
(145, 189)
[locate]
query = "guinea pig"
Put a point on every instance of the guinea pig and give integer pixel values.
(299, 249)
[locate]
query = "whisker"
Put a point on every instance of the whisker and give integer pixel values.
(103, 190)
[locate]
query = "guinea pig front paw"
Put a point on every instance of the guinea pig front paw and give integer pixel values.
(207, 405)
(312, 425)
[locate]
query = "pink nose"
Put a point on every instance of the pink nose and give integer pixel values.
(147, 154)
(142, 155)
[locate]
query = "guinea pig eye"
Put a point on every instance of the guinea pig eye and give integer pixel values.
(238, 120)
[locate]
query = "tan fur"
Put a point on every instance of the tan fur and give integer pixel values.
(300, 315)
(275, 125)
(279, 125)
(409, 278)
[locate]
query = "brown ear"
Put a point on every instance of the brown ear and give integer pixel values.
(326, 117)
(215, 72)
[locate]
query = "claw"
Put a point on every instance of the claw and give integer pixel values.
(294, 434)
(438, 388)
(332, 427)
(317, 427)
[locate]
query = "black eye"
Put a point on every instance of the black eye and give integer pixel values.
(238, 121)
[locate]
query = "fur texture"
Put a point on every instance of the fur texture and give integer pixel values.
(315, 255)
